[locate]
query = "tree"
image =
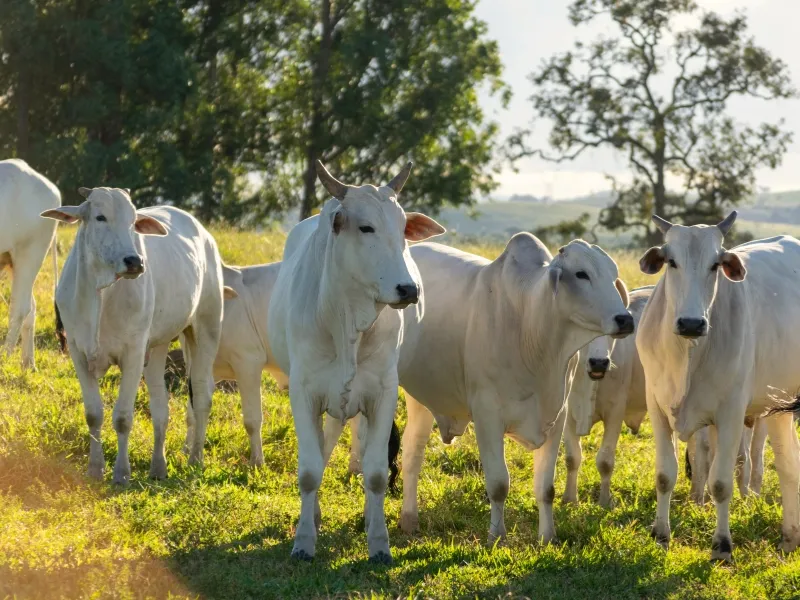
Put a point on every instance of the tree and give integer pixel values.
(659, 94)
(565, 231)
(381, 82)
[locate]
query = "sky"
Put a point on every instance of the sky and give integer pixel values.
(529, 31)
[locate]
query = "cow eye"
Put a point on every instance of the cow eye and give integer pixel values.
(672, 264)
(366, 229)
(100, 218)
(715, 266)
(582, 275)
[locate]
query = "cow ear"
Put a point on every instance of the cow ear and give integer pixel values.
(229, 293)
(84, 191)
(338, 220)
(126, 190)
(420, 227)
(652, 261)
(554, 273)
(732, 266)
(623, 291)
(65, 214)
(149, 226)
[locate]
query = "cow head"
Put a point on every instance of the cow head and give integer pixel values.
(109, 225)
(694, 257)
(585, 280)
(370, 232)
(598, 357)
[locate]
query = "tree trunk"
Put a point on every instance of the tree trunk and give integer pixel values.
(313, 148)
(654, 236)
(22, 100)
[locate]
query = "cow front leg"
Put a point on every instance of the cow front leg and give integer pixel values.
(606, 455)
(698, 462)
(544, 473)
(783, 439)
(415, 439)
(729, 425)
(93, 411)
(489, 431)
(131, 367)
(159, 408)
(573, 458)
(310, 465)
(666, 471)
(249, 379)
(375, 465)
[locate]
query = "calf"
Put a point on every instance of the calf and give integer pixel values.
(133, 281)
(494, 348)
(24, 241)
(714, 347)
(332, 330)
(611, 390)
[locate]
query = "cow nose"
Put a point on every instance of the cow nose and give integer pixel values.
(624, 323)
(408, 293)
(691, 328)
(133, 263)
(599, 364)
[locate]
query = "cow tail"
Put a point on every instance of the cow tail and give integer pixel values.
(792, 406)
(61, 335)
(394, 450)
(191, 394)
(687, 464)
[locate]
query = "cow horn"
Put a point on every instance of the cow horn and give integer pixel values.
(335, 188)
(725, 225)
(400, 179)
(662, 224)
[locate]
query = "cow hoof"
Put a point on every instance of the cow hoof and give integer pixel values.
(661, 538)
(256, 461)
(302, 555)
(158, 472)
(381, 558)
(721, 550)
(354, 467)
(95, 472)
(699, 499)
(789, 544)
(317, 517)
(570, 499)
(122, 479)
(409, 522)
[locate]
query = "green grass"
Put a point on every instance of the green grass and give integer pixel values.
(226, 532)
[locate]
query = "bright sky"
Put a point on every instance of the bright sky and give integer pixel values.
(529, 31)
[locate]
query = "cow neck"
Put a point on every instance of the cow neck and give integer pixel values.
(549, 340)
(88, 299)
(346, 311)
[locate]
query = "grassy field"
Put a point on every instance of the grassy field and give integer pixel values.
(226, 532)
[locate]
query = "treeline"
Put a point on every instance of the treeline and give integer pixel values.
(222, 106)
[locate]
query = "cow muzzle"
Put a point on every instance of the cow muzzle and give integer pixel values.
(690, 327)
(134, 266)
(597, 368)
(624, 323)
(406, 294)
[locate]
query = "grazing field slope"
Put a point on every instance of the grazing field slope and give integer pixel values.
(226, 532)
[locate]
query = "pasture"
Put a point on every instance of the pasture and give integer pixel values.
(226, 532)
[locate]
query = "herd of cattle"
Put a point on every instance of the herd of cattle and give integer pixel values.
(528, 345)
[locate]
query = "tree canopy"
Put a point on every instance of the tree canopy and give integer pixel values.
(220, 106)
(658, 92)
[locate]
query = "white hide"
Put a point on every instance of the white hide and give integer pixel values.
(494, 348)
(331, 329)
(133, 281)
(741, 306)
(24, 240)
(617, 397)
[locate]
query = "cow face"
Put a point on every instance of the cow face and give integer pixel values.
(598, 357)
(585, 280)
(694, 257)
(370, 235)
(109, 224)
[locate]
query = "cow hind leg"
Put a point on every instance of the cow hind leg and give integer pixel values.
(698, 461)
(757, 455)
(785, 445)
(415, 438)
(573, 458)
(354, 465)
(375, 464)
(544, 472)
(332, 433)
(743, 462)
(159, 408)
(606, 457)
(202, 346)
(26, 264)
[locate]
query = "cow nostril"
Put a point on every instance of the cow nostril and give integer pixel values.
(132, 261)
(624, 322)
(692, 326)
(408, 292)
(599, 364)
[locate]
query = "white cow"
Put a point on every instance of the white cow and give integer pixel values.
(494, 348)
(24, 194)
(611, 390)
(714, 349)
(133, 281)
(330, 330)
